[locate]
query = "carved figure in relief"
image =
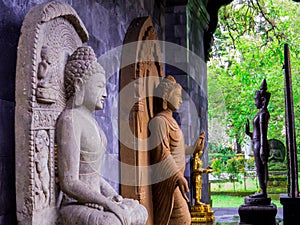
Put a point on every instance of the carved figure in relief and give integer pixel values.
(259, 137)
(47, 88)
(88, 198)
(42, 180)
(168, 158)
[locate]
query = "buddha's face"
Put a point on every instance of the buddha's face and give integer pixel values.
(95, 91)
(257, 102)
(175, 99)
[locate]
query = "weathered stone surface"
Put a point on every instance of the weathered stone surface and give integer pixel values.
(50, 33)
(117, 14)
(87, 197)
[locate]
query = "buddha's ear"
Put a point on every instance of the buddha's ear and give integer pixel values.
(79, 95)
(165, 104)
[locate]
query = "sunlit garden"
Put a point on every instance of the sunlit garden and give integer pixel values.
(234, 178)
(248, 47)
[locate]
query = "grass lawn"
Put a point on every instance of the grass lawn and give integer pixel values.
(227, 201)
(250, 185)
(226, 195)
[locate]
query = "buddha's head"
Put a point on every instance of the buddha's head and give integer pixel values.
(85, 81)
(170, 93)
(262, 97)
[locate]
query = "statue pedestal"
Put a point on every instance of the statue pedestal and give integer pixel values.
(257, 211)
(291, 209)
(202, 215)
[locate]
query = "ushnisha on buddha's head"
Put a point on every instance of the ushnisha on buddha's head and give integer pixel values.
(85, 81)
(262, 97)
(170, 93)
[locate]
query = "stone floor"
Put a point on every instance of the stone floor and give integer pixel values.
(230, 216)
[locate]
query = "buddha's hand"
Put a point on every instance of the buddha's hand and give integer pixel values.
(121, 213)
(183, 186)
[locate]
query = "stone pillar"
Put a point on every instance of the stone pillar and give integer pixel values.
(290, 201)
(291, 208)
(197, 21)
(185, 25)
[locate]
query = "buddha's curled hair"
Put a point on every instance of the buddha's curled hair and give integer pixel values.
(80, 66)
(163, 91)
(166, 86)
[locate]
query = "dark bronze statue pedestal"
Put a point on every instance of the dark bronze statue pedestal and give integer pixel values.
(257, 211)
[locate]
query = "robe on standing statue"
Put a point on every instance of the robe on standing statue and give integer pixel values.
(168, 162)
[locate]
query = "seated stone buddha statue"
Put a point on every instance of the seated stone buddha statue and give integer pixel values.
(87, 198)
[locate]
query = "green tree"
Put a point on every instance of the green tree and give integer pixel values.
(248, 47)
(235, 168)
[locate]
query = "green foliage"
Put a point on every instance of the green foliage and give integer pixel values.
(248, 47)
(218, 148)
(220, 156)
(250, 164)
(233, 166)
(218, 166)
(277, 166)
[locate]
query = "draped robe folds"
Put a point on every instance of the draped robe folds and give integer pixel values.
(168, 163)
(91, 143)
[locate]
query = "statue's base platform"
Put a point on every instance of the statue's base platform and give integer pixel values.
(257, 211)
(202, 214)
(291, 209)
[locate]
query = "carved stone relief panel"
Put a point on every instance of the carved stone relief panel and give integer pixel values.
(49, 34)
(41, 169)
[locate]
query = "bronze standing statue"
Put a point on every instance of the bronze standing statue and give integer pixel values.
(257, 208)
(201, 213)
(198, 170)
(259, 137)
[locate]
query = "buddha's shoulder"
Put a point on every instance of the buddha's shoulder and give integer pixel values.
(70, 115)
(158, 122)
(158, 119)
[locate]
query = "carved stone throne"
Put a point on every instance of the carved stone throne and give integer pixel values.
(50, 33)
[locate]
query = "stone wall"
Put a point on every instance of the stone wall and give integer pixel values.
(186, 22)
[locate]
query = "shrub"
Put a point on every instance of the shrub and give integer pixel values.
(235, 168)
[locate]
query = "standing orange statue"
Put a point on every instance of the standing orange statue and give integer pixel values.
(168, 158)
